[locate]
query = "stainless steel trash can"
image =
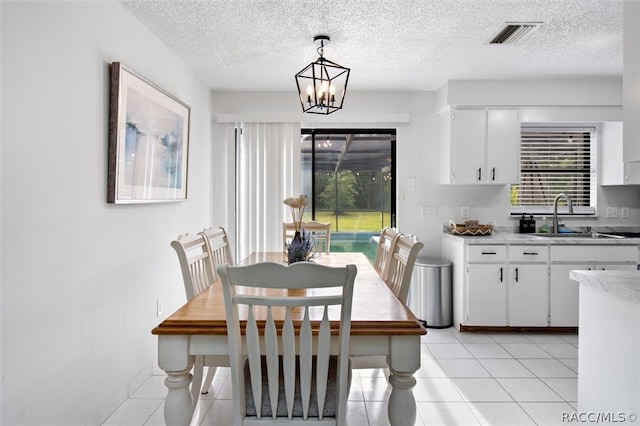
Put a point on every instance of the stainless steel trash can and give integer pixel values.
(431, 293)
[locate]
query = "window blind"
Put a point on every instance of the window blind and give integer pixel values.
(554, 160)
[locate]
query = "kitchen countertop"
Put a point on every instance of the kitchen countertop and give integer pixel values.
(498, 237)
(622, 283)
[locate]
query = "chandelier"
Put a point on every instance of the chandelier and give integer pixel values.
(322, 84)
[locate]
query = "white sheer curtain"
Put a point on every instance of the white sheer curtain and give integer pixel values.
(268, 171)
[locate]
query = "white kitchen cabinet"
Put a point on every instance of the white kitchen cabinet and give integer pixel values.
(631, 81)
(630, 173)
(564, 292)
(614, 170)
(524, 285)
(528, 286)
(564, 296)
(507, 285)
(487, 300)
(480, 146)
(479, 282)
(503, 146)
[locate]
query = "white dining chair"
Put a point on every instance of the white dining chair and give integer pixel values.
(400, 265)
(400, 260)
(386, 243)
(320, 231)
(195, 264)
(198, 274)
(284, 371)
(218, 247)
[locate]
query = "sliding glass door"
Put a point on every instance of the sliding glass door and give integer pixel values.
(349, 176)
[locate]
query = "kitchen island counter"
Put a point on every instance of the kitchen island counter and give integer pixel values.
(609, 366)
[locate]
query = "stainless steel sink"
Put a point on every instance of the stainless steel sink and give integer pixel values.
(576, 235)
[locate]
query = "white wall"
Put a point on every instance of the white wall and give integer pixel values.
(414, 115)
(80, 277)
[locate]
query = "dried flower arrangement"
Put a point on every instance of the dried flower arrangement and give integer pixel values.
(301, 246)
(300, 249)
(297, 205)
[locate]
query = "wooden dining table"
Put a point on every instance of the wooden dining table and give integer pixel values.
(380, 325)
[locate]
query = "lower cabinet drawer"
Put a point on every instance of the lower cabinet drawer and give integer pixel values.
(487, 253)
(528, 253)
(594, 253)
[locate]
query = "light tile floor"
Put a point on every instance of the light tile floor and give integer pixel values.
(465, 379)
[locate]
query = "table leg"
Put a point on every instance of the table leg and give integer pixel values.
(178, 407)
(404, 361)
(174, 359)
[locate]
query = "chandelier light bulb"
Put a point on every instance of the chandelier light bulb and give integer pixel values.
(309, 93)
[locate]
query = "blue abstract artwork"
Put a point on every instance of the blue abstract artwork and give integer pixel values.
(153, 144)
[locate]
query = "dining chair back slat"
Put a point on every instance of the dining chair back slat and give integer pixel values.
(287, 341)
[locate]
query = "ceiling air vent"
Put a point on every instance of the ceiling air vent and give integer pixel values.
(513, 31)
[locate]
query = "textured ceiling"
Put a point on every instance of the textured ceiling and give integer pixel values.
(388, 44)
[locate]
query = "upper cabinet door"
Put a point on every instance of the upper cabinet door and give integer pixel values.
(469, 130)
(503, 146)
(614, 171)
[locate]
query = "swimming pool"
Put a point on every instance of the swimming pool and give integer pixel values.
(354, 241)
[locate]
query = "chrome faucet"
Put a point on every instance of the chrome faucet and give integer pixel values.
(554, 227)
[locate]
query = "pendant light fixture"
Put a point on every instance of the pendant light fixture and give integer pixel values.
(322, 84)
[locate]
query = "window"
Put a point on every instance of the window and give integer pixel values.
(555, 160)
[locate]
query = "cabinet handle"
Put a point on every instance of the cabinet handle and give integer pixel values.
(479, 174)
(501, 272)
(516, 274)
(530, 253)
(489, 253)
(493, 174)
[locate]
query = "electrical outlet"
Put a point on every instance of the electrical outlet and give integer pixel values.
(624, 212)
(612, 212)
(464, 212)
(429, 211)
(159, 307)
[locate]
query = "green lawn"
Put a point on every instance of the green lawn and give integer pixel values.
(353, 221)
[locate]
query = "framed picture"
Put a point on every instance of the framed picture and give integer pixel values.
(148, 141)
